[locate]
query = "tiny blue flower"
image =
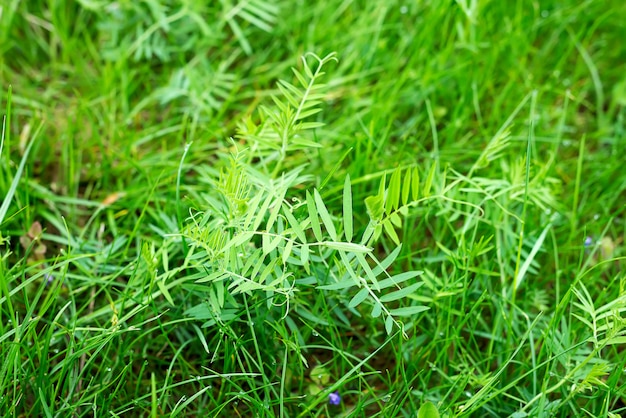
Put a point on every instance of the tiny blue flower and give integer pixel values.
(49, 278)
(334, 398)
(588, 241)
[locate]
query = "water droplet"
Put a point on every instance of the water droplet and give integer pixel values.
(315, 334)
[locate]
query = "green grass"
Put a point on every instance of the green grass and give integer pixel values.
(428, 210)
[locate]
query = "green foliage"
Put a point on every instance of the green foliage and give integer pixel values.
(428, 410)
(393, 201)
(282, 128)
(167, 30)
(199, 88)
(429, 222)
(259, 241)
(258, 13)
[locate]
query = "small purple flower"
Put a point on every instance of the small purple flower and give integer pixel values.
(49, 278)
(334, 398)
(588, 241)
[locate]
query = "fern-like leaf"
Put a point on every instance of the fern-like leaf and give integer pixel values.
(393, 200)
(283, 126)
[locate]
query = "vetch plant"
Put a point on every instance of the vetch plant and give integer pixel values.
(255, 240)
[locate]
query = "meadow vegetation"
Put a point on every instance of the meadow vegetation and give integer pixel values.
(285, 208)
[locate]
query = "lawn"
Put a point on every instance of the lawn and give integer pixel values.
(255, 208)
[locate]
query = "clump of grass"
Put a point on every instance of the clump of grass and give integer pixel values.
(263, 209)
